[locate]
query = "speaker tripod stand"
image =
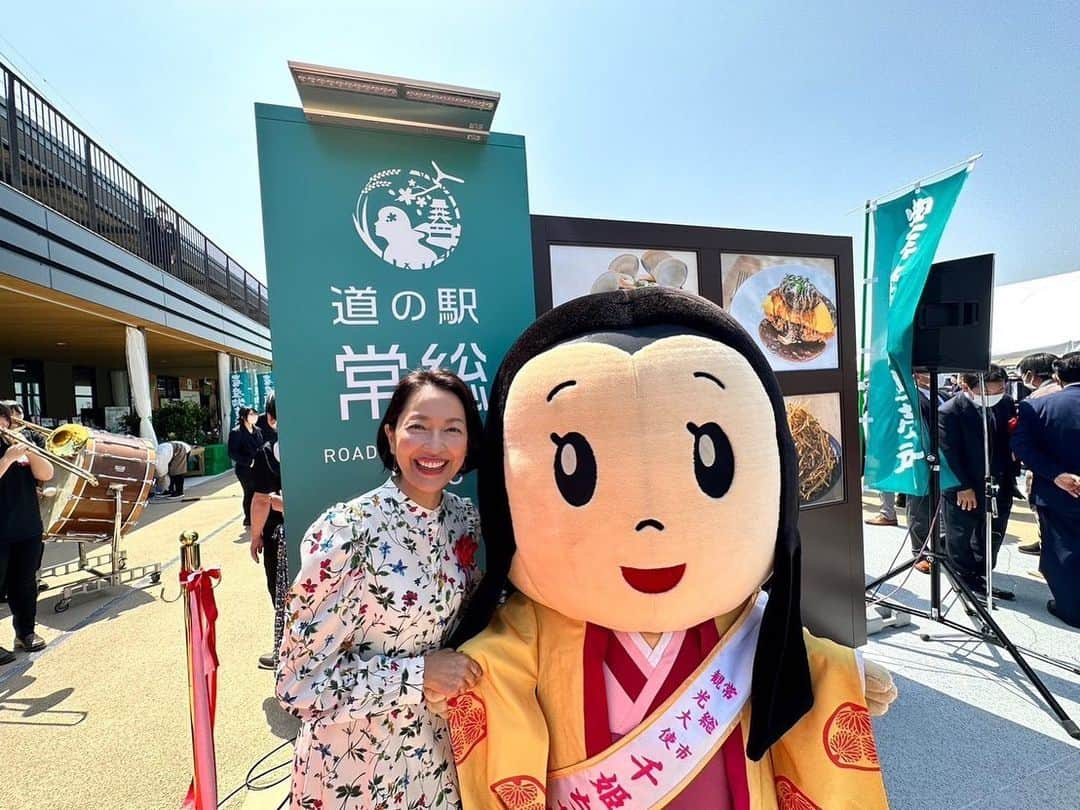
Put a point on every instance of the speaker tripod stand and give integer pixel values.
(940, 563)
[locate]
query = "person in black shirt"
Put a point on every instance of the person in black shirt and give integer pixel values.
(267, 516)
(960, 424)
(266, 480)
(245, 441)
(267, 422)
(21, 530)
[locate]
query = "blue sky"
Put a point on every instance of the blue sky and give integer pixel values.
(781, 116)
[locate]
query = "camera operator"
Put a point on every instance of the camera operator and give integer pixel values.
(961, 424)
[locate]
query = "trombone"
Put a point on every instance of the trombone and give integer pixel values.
(15, 436)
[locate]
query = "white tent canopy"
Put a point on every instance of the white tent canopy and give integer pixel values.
(1036, 316)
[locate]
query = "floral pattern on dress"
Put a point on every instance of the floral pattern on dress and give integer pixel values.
(381, 584)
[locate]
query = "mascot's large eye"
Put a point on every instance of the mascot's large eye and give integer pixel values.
(575, 468)
(714, 461)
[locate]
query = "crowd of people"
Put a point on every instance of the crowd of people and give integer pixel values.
(987, 440)
(351, 651)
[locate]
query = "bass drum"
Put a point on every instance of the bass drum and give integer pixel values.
(80, 510)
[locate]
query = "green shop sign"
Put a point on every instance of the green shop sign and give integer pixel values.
(384, 253)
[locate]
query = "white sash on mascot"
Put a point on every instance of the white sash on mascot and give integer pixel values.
(660, 757)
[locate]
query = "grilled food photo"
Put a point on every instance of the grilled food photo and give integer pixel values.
(799, 320)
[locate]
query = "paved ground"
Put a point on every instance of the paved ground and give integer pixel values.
(99, 718)
(969, 729)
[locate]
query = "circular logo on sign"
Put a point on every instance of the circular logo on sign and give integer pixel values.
(408, 217)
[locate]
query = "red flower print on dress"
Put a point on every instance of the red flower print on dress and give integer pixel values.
(308, 586)
(465, 550)
(409, 599)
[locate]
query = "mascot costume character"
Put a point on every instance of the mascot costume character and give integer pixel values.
(640, 494)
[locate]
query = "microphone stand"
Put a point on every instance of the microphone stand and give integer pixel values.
(940, 562)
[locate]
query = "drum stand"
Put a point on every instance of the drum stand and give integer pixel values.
(115, 560)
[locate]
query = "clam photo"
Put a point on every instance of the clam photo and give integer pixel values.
(626, 264)
(656, 267)
(583, 269)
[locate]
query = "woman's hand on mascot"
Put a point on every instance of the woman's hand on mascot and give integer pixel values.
(437, 703)
(449, 673)
(880, 689)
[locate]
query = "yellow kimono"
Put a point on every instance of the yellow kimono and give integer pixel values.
(519, 736)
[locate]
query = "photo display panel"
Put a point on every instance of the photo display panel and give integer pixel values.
(794, 295)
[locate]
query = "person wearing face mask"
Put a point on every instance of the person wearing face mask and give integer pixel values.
(960, 428)
(245, 441)
(1037, 375)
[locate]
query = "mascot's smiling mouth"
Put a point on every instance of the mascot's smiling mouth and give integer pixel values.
(653, 580)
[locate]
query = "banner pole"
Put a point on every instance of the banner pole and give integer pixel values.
(970, 163)
(862, 334)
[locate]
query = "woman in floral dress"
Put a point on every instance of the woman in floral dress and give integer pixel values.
(382, 582)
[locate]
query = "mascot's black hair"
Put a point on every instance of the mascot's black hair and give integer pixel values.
(781, 691)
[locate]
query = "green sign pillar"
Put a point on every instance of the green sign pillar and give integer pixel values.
(384, 253)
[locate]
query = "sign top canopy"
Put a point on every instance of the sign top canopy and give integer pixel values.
(352, 98)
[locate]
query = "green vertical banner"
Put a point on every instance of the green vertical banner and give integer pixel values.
(266, 388)
(256, 392)
(385, 253)
(242, 393)
(907, 231)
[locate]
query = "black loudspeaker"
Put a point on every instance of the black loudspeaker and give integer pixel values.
(952, 323)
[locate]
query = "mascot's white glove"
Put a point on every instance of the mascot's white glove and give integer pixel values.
(880, 689)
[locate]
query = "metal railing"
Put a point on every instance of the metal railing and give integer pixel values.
(45, 156)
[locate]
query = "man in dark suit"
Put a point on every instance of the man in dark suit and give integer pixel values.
(1047, 440)
(961, 424)
(1037, 376)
